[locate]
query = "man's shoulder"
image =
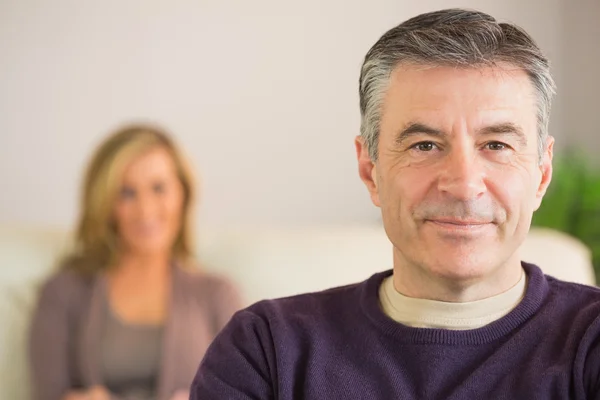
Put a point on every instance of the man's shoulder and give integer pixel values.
(574, 311)
(558, 296)
(573, 304)
(573, 292)
(322, 298)
(324, 305)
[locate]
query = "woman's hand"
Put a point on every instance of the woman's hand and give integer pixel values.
(93, 393)
(181, 395)
(98, 393)
(74, 395)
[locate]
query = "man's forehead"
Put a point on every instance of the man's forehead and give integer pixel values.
(489, 80)
(418, 88)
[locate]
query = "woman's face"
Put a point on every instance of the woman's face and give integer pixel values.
(149, 206)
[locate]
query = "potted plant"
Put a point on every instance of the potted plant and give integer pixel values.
(572, 202)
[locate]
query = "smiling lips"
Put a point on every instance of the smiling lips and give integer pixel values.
(462, 225)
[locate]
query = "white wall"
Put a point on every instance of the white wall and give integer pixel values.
(262, 94)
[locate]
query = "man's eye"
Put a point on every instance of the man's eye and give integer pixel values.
(424, 146)
(496, 146)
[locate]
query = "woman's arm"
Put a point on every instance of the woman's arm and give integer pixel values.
(49, 343)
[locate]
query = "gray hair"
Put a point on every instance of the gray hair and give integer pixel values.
(453, 37)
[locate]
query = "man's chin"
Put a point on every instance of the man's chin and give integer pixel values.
(461, 267)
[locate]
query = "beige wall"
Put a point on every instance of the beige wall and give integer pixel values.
(262, 94)
(581, 89)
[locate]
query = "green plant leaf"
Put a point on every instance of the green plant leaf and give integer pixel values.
(572, 202)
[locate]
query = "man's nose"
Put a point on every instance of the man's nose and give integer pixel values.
(462, 174)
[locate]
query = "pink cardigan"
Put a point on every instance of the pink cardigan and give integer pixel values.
(65, 333)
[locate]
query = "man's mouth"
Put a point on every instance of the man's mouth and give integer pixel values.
(456, 224)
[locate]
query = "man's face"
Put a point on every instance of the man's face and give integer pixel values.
(459, 174)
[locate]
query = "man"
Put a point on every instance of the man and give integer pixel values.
(454, 149)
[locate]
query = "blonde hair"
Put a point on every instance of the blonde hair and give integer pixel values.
(95, 237)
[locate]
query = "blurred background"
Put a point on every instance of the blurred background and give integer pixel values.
(261, 94)
(263, 97)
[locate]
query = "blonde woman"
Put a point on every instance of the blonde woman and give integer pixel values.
(127, 316)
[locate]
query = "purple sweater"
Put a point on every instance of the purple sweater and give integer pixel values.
(338, 344)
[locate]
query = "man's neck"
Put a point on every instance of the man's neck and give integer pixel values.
(417, 282)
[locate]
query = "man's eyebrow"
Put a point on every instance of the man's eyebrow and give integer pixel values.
(506, 128)
(414, 129)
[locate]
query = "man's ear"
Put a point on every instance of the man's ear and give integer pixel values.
(367, 169)
(546, 169)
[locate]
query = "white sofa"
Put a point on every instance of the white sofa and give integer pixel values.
(265, 263)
